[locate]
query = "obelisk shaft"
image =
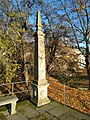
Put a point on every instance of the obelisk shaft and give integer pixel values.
(40, 69)
(39, 84)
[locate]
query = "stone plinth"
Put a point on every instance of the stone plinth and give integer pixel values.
(40, 94)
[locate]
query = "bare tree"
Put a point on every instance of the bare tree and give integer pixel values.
(77, 15)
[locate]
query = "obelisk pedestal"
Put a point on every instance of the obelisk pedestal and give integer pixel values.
(39, 84)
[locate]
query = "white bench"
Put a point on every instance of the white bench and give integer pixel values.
(9, 100)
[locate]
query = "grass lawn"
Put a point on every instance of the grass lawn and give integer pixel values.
(80, 82)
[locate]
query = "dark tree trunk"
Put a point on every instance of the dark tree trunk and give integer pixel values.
(88, 73)
(52, 51)
(87, 61)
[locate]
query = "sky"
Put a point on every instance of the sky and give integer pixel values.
(32, 19)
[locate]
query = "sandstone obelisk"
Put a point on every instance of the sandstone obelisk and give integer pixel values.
(39, 84)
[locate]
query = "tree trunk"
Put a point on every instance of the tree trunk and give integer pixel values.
(88, 73)
(52, 52)
(88, 69)
(87, 60)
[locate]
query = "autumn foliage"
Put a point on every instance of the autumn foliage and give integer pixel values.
(75, 98)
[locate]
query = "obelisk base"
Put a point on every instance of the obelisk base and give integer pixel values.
(39, 96)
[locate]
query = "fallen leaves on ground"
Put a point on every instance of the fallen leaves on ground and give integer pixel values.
(75, 98)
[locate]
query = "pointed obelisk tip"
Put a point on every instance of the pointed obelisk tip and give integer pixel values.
(39, 18)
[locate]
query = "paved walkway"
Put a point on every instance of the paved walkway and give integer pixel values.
(52, 111)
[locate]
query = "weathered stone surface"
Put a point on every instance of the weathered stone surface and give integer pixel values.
(59, 111)
(45, 108)
(55, 104)
(67, 117)
(39, 85)
(9, 100)
(49, 116)
(29, 112)
(40, 117)
(17, 117)
(39, 58)
(78, 115)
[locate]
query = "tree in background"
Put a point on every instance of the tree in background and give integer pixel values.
(13, 29)
(57, 35)
(61, 25)
(53, 29)
(77, 15)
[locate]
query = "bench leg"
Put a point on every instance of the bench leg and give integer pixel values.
(13, 108)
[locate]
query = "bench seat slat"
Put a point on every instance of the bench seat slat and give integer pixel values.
(8, 98)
